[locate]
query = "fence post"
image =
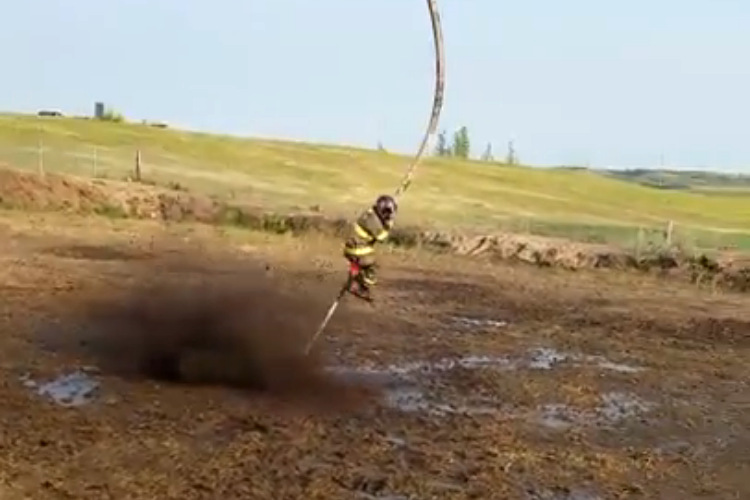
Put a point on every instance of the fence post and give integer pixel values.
(40, 153)
(138, 165)
(639, 243)
(668, 233)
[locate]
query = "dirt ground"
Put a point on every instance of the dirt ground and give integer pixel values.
(148, 361)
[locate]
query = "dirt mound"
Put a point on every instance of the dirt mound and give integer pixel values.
(537, 250)
(53, 192)
(30, 191)
(727, 272)
(247, 335)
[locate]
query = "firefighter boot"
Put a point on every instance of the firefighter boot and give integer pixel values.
(360, 289)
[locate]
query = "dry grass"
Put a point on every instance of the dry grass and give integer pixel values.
(448, 193)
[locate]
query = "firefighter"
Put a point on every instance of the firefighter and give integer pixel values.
(372, 227)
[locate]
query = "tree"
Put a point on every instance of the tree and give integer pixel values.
(461, 143)
(111, 115)
(487, 155)
(510, 157)
(441, 148)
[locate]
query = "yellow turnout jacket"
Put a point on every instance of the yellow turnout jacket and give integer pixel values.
(364, 233)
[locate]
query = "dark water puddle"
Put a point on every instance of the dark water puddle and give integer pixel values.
(466, 321)
(73, 389)
(621, 405)
(613, 408)
(547, 358)
(404, 391)
(534, 359)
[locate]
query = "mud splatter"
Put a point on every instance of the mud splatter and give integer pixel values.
(244, 332)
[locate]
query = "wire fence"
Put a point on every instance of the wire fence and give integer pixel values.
(180, 172)
(86, 160)
(134, 164)
(93, 161)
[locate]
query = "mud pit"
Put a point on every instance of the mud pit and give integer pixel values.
(176, 377)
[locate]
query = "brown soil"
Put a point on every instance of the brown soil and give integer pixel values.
(204, 393)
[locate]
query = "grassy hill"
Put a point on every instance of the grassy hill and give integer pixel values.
(447, 193)
(692, 180)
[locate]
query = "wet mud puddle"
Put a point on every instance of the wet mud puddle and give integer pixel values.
(405, 389)
(411, 388)
(72, 389)
(473, 323)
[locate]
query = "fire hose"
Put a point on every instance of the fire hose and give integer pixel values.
(437, 104)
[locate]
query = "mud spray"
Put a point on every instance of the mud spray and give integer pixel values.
(242, 331)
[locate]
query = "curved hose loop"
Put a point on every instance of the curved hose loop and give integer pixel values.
(437, 103)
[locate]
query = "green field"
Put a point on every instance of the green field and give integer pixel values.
(692, 180)
(447, 193)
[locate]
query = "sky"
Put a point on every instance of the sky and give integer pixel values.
(615, 83)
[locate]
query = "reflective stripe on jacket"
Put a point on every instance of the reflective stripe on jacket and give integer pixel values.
(365, 232)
